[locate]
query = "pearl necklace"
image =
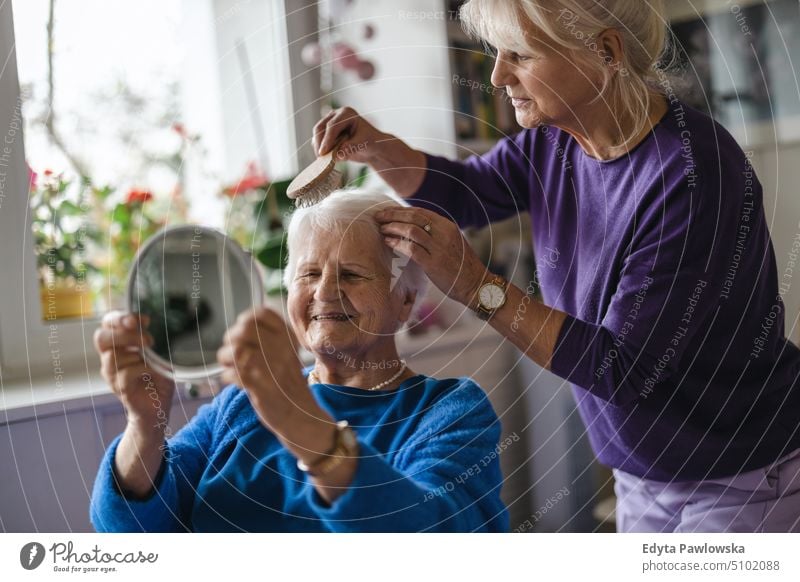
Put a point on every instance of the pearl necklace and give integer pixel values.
(314, 379)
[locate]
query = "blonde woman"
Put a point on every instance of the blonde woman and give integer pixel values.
(661, 299)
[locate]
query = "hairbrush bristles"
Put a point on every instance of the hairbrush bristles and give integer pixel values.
(319, 191)
(318, 179)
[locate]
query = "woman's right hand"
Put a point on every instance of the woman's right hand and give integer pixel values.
(361, 140)
(145, 394)
(402, 167)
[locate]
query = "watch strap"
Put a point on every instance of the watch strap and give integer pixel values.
(335, 456)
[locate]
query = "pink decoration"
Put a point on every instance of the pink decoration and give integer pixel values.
(32, 178)
(366, 70)
(345, 57)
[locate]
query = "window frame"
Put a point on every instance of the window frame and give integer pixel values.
(30, 345)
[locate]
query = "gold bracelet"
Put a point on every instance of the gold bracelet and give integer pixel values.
(343, 447)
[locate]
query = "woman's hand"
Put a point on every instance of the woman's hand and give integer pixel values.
(362, 140)
(145, 394)
(259, 354)
(402, 167)
(437, 245)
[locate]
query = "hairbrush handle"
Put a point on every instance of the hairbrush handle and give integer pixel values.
(343, 137)
(316, 172)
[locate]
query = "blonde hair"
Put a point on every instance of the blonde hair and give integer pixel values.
(629, 85)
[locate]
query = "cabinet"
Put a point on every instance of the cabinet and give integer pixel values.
(50, 459)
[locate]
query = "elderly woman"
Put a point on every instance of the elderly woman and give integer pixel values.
(357, 443)
(661, 299)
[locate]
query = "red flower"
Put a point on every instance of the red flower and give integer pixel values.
(180, 129)
(48, 172)
(136, 196)
(253, 178)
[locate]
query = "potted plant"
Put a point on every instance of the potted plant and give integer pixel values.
(126, 222)
(61, 236)
(255, 219)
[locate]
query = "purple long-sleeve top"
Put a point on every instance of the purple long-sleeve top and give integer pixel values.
(674, 338)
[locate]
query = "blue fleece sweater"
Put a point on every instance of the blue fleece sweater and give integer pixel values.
(428, 462)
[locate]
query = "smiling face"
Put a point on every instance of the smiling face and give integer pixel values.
(546, 84)
(339, 299)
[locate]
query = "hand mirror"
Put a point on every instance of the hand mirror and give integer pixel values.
(193, 282)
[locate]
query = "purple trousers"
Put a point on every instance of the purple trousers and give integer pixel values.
(763, 500)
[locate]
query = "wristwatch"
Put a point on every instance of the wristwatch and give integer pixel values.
(491, 297)
(344, 446)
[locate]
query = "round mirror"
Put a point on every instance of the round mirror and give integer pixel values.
(193, 282)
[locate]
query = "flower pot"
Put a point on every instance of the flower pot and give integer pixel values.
(62, 301)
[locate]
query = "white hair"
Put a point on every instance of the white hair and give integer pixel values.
(338, 213)
(628, 86)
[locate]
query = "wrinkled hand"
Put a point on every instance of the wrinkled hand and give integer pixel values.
(259, 355)
(362, 142)
(402, 167)
(145, 394)
(441, 250)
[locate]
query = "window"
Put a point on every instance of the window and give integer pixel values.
(153, 105)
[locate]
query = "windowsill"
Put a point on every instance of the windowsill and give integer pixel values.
(39, 396)
(26, 398)
(42, 395)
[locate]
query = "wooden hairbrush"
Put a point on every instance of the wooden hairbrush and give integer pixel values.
(318, 179)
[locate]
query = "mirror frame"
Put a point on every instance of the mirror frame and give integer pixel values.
(255, 274)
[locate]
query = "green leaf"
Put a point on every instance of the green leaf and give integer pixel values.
(273, 254)
(361, 177)
(122, 215)
(260, 208)
(68, 208)
(103, 193)
(278, 189)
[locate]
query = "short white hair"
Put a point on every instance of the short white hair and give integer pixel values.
(338, 213)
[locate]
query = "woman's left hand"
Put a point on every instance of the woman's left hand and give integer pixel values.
(437, 245)
(259, 355)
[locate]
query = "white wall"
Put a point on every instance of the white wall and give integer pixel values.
(260, 27)
(411, 93)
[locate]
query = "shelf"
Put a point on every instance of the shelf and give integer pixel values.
(457, 34)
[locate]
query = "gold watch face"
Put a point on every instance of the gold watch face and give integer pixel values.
(348, 438)
(492, 296)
